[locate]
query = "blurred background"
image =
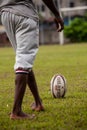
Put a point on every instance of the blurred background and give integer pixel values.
(74, 14)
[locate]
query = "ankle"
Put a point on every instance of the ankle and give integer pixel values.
(38, 102)
(17, 111)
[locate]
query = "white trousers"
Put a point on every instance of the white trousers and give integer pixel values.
(23, 34)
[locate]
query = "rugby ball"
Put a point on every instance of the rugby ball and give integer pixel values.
(58, 86)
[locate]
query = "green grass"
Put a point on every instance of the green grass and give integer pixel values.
(69, 113)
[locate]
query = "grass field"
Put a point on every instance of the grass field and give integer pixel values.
(69, 113)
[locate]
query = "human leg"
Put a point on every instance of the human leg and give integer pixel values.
(8, 21)
(26, 55)
(34, 89)
(20, 87)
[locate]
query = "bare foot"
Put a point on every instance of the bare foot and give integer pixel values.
(38, 108)
(21, 116)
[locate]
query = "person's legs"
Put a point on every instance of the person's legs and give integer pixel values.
(25, 43)
(33, 87)
(8, 20)
(28, 43)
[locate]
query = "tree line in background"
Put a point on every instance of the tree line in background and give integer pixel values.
(77, 30)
